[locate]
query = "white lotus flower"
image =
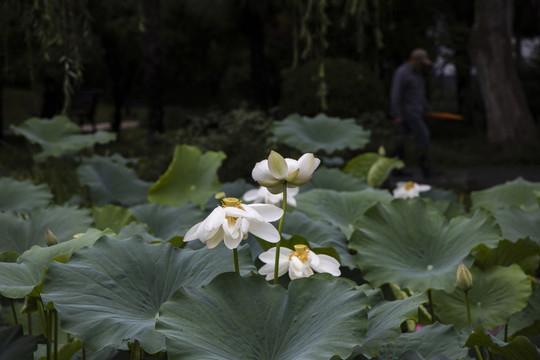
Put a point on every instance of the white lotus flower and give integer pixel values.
(232, 221)
(300, 262)
(262, 195)
(409, 190)
(276, 170)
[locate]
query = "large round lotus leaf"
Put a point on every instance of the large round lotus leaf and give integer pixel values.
(523, 252)
(14, 345)
(321, 133)
(520, 348)
(247, 318)
(112, 182)
(359, 166)
(520, 193)
(111, 217)
(166, 222)
(385, 318)
(436, 194)
(410, 243)
(20, 278)
(496, 294)
(133, 229)
(22, 196)
(431, 342)
(528, 317)
(333, 179)
(191, 176)
(59, 136)
(19, 235)
(342, 209)
(381, 169)
(517, 223)
(111, 293)
(319, 234)
(449, 209)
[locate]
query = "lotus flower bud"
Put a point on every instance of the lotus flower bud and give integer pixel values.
(50, 238)
(464, 278)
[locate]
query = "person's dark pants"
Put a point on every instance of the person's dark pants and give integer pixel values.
(416, 128)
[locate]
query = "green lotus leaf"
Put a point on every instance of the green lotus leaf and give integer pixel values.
(359, 165)
(385, 318)
(524, 252)
(112, 182)
(110, 293)
(112, 217)
(319, 235)
(519, 192)
(519, 348)
(191, 176)
(517, 223)
(23, 196)
(410, 243)
(381, 169)
(342, 209)
(333, 179)
(430, 341)
(19, 279)
(15, 345)
(436, 194)
(19, 235)
(450, 209)
(528, 318)
(133, 229)
(166, 222)
(415, 355)
(59, 136)
(496, 294)
(247, 318)
(321, 133)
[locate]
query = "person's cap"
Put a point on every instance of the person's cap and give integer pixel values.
(421, 55)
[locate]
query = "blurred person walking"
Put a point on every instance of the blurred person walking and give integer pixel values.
(409, 104)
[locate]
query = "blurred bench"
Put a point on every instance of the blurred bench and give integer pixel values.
(83, 106)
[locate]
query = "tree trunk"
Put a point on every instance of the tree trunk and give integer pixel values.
(1, 104)
(153, 76)
(253, 30)
(508, 117)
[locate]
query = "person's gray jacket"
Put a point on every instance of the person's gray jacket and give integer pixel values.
(408, 96)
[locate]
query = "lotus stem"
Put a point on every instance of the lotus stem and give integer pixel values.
(468, 308)
(49, 334)
(14, 312)
(83, 353)
(29, 318)
(55, 315)
(42, 317)
(280, 228)
(235, 255)
(135, 351)
(431, 307)
(470, 323)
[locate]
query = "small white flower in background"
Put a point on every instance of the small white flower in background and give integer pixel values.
(262, 195)
(275, 171)
(300, 262)
(409, 190)
(232, 221)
